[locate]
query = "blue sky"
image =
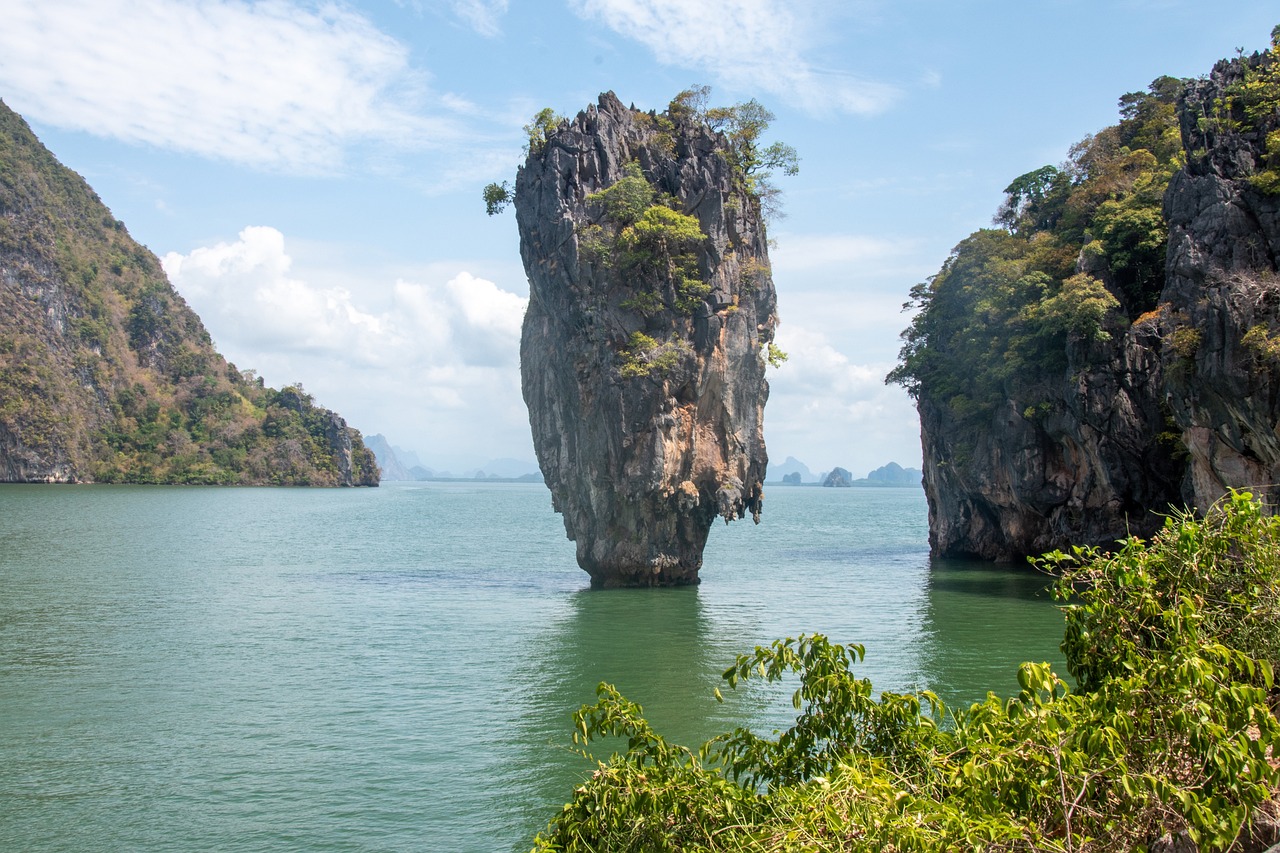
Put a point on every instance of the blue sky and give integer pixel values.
(310, 173)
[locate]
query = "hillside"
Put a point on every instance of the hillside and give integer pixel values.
(1108, 350)
(106, 375)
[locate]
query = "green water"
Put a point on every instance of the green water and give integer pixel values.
(394, 669)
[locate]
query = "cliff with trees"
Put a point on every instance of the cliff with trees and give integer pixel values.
(106, 375)
(650, 325)
(1107, 351)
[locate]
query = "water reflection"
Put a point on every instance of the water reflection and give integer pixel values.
(659, 647)
(189, 668)
(651, 644)
(981, 621)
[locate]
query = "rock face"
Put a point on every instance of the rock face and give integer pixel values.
(1089, 471)
(644, 345)
(1178, 407)
(1222, 298)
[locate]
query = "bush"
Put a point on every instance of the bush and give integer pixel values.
(648, 241)
(1170, 732)
(999, 322)
(646, 356)
(626, 199)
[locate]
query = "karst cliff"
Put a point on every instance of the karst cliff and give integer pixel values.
(106, 375)
(651, 315)
(1110, 351)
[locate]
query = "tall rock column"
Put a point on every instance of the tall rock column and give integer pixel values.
(651, 311)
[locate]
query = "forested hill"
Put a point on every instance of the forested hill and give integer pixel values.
(106, 375)
(1107, 349)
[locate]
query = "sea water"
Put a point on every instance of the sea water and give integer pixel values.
(395, 669)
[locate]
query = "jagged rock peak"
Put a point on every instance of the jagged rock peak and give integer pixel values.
(644, 346)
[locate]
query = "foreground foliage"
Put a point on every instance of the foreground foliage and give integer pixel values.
(1172, 642)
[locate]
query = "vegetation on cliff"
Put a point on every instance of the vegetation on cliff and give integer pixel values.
(1247, 106)
(106, 374)
(1078, 255)
(1079, 251)
(1104, 353)
(1172, 642)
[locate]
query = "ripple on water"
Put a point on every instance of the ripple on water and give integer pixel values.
(394, 669)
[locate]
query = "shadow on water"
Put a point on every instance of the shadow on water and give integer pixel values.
(981, 622)
(659, 647)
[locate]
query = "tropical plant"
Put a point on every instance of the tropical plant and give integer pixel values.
(643, 236)
(644, 355)
(497, 197)
(1170, 731)
(540, 129)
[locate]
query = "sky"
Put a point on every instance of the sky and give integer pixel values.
(310, 173)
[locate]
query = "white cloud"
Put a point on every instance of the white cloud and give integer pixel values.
(459, 104)
(270, 84)
(469, 168)
(433, 364)
(849, 285)
(471, 320)
(806, 252)
(245, 289)
(481, 15)
(827, 410)
(749, 44)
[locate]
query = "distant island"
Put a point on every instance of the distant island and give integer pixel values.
(892, 474)
(401, 465)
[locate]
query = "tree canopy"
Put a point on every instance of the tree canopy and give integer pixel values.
(1077, 254)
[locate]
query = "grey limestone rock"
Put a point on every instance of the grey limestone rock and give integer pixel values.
(1091, 470)
(1222, 293)
(643, 446)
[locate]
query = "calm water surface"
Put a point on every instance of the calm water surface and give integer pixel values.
(395, 668)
